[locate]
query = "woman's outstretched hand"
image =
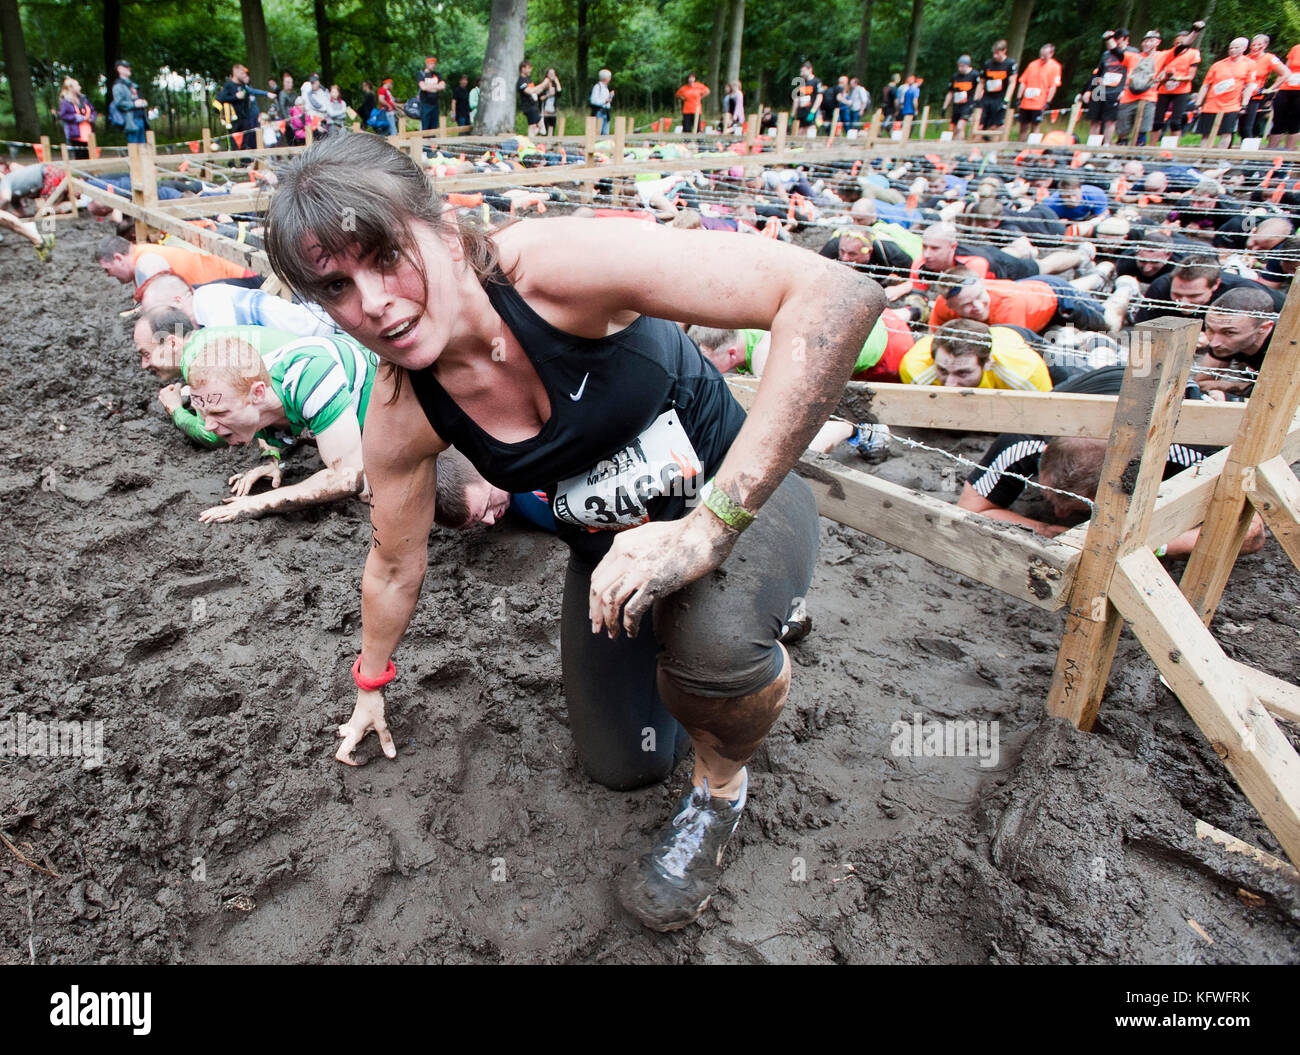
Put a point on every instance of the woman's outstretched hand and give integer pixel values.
(367, 716)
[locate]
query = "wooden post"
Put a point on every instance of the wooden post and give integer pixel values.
(442, 125)
(1214, 130)
(1137, 122)
(308, 132)
(1145, 416)
(559, 126)
(588, 152)
(907, 127)
(1224, 704)
(1275, 492)
(620, 139)
(206, 171)
(1270, 410)
(92, 145)
(751, 131)
(149, 138)
(144, 183)
(925, 120)
(782, 121)
(873, 133)
(259, 138)
(47, 157)
(356, 127)
(67, 175)
(1075, 110)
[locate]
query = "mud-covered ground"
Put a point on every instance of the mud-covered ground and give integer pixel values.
(219, 827)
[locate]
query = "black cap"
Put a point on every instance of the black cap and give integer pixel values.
(122, 62)
(1122, 33)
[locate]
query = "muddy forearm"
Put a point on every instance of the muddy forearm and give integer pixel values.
(816, 338)
(389, 593)
(328, 485)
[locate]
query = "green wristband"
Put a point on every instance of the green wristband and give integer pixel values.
(1163, 549)
(726, 509)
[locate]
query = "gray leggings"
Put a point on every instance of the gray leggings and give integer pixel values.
(716, 637)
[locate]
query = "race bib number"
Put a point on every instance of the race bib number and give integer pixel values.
(959, 97)
(1033, 93)
(613, 494)
(992, 86)
(1111, 80)
(1225, 85)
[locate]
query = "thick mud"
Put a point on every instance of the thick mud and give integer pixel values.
(218, 827)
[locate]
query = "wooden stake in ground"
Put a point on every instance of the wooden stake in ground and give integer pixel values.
(144, 183)
(1137, 122)
(782, 121)
(67, 176)
(925, 120)
(1145, 416)
(1075, 110)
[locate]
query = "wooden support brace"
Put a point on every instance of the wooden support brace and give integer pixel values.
(1243, 735)
(1075, 110)
(1269, 412)
(1130, 478)
(925, 120)
(1279, 697)
(67, 176)
(1275, 492)
(782, 123)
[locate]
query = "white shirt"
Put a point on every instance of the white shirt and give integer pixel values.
(601, 94)
(222, 304)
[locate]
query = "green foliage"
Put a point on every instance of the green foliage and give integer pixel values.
(649, 44)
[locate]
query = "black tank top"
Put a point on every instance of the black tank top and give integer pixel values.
(639, 420)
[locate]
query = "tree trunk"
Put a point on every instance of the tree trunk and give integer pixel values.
(737, 34)
(864, 41)
(715, 56)
(257, 52)
(112, 46)
(18, 72)
(914, 38)
(1141, 21)
(584, 45)
(1021, 11)
(505, 50)
(323, 40)
(1126, 16)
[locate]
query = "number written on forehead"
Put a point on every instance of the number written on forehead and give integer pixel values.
(201, 402)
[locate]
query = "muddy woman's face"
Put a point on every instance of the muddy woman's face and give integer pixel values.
(402, 312)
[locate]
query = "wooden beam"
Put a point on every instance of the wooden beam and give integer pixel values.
(1184, 498)
(1239, 846)
(1279, 697)
(1130, 478)
(1009, 558)
(67, 176)
(1269, 412)
(1275, 492)
(209, 241)
(1243, 735)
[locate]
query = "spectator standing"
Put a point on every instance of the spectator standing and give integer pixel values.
(889, 102)
(859, 102)
(550, 93)
(1176, 69)
(1286, 105)
(388, 105)
(288, 95)
(528, 95)
(131, 108)
(1227, 83)
(692, 94)
(1265, 63)
(1108, 80)
(910, 97)
(1038, 86)
(846, 103)
(460, 108)
(236, 93)
(314, 103)
(808, 97)
(430, 85)
(473, 99)
(733, 109)
(336, 111)
(1140, 92)
(368, 102)
(602, 98)
(830, 104)
(78, 118)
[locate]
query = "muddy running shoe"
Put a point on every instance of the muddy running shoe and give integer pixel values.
(669, 886)
(44, 250)
(798, 626)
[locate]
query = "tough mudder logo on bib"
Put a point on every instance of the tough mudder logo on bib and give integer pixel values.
(612, 495)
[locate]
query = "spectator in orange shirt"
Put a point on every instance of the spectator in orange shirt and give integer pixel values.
(691, 93)
(1139, 90)
(1286, 104)
(1031, 303)
(1038, 84)
(1265, 63)
(1227, 84)
(1176, 73)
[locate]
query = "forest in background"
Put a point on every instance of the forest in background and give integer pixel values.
(650, 45)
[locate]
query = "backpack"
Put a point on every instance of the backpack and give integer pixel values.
(412, 108)
(1143, 75)
(115, 117)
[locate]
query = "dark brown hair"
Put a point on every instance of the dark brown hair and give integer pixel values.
(964, 337)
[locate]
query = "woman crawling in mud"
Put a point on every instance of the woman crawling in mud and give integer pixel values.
(545, 353)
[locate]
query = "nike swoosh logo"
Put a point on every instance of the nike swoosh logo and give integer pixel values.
(575, 396)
